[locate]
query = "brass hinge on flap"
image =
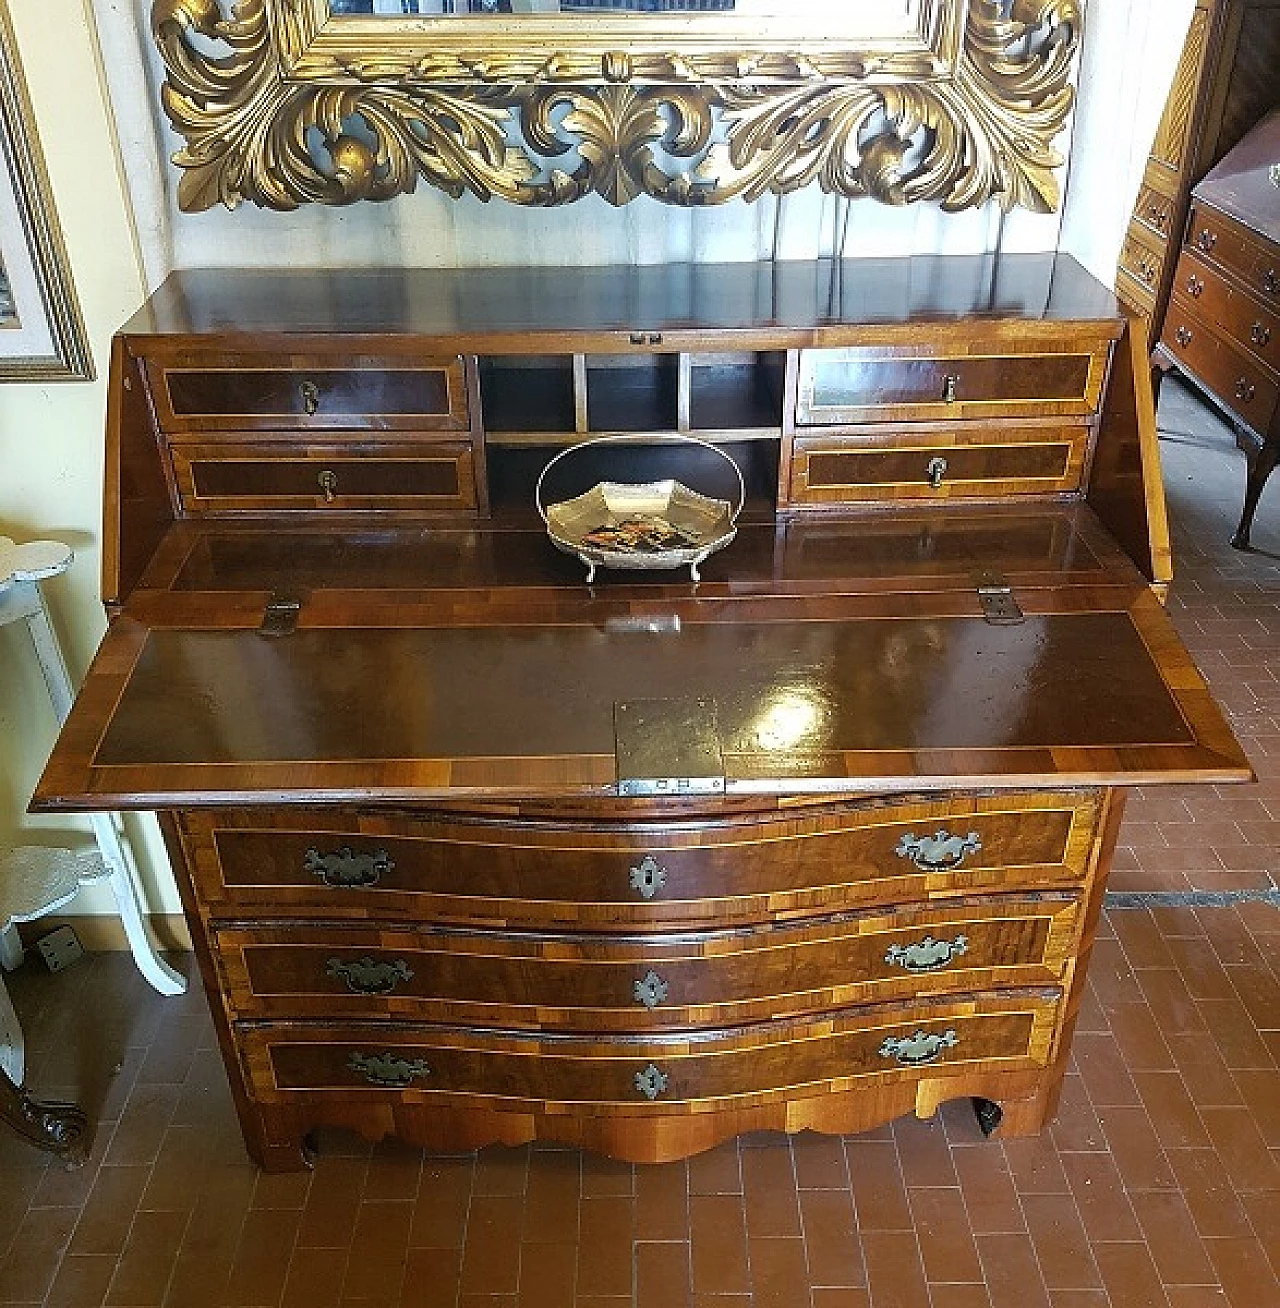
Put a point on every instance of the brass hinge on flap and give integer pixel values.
(668, 747)
(996, 597)
(280, 617)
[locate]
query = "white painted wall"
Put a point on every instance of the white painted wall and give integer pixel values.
(114, 192)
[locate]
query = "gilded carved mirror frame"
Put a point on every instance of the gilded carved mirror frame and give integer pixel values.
(282, 103)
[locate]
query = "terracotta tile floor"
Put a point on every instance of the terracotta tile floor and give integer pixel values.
(1157, 1187)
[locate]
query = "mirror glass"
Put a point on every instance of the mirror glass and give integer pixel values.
(799, 9)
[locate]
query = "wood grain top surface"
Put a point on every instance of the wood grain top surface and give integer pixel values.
(796, 296)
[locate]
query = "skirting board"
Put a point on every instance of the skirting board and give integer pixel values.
(101, 933)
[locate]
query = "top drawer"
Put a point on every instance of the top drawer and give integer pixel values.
(1011, 379)
(1253, 262)
(201, 391)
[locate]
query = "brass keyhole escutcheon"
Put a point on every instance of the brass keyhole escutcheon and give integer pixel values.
(936, 471)
(328, 481)
(310, 393)
(950, 387)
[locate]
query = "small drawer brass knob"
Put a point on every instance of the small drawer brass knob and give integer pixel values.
(1260, 334)
(936, 472)
(328, 481)
(1195, 287)
(1183, 336)
(310, 394)
(1245, 390)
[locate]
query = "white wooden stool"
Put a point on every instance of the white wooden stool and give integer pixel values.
(34, 880)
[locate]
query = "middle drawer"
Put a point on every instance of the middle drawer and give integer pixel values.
(595, 983)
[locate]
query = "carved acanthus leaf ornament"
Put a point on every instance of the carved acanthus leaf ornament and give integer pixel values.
(696, 135)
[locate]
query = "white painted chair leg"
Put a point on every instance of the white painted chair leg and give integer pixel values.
(120, 875)
(12, 1051)
(10, 948)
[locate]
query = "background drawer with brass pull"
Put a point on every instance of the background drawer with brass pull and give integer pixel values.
(1219, 240)
(1245, 320)
(207, 391)
(1007, 379)
(511, 874)
(1154, 209)
(595, 983)
(949, 463)
(231, 478)
(1233, 375)
(1012, 1029)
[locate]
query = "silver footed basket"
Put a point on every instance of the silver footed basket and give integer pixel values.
(641, 526)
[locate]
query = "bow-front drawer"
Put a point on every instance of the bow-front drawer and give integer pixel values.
(1011, 1030)
(227, 479)
(595, 983)
(952, 463)
(1251, 326)
(995, 379)
(1253, 261)
(1236, 378)
(202, 390)
(641, 875)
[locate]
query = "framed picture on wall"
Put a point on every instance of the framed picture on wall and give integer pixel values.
(42, 336)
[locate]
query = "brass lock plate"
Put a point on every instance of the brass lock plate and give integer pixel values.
(668, 747)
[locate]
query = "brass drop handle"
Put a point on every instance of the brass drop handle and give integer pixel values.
(1261, 334)
(344, 869)
(913, 1050)
(310, 394)
(1195, 287)
(1245, 390)
(328, 481)
(950, 388)
(1206, 240)
(1271, 282)
(388, 1071)
(936, 471)
(1159, 217)
(1183, 336)
(369, 976)
(927, 955)
(941, 852)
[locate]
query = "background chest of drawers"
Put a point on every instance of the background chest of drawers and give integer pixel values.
(1223, 325)
(377, 709)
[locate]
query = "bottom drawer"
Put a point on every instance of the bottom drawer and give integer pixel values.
(228, 478)
(1238, 380)
(1011, 1031)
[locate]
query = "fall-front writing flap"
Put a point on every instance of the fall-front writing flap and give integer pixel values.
(819, 696)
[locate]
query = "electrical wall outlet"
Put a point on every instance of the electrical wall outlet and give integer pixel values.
(60, 948)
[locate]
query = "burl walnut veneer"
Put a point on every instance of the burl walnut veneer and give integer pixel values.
(380, 714)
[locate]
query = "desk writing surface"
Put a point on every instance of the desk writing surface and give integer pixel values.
(915, 696)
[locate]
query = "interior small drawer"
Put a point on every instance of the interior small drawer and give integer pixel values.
(208, 391)
(1007, 379)
(649, 877)
(594, 983)
(1009, 1030)
(1251, 326)
(243, 478)
(938, 465)
(1237, 379)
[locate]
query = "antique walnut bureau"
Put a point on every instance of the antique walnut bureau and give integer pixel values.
(474, 852)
